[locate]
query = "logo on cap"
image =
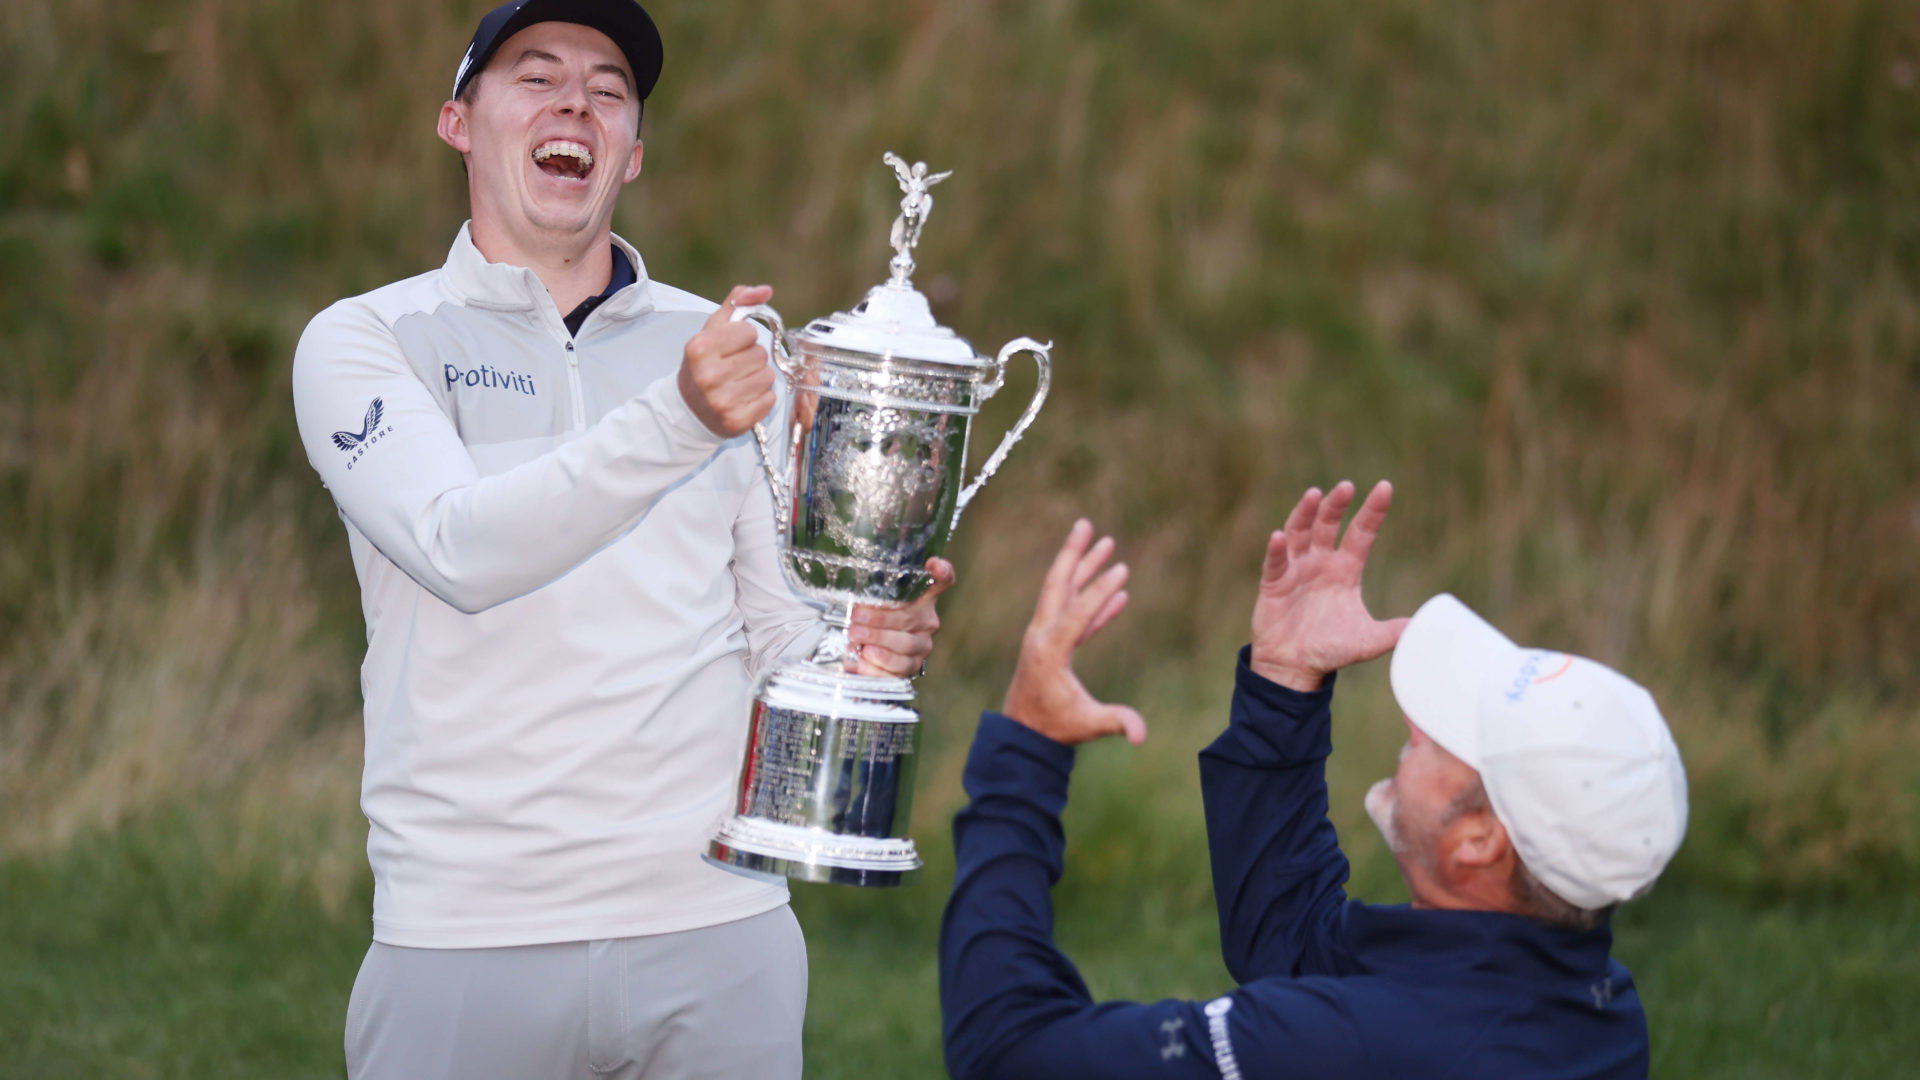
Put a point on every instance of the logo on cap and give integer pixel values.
(1530, 675)
(465, 63)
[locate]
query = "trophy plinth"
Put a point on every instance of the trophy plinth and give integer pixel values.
(827, 784)
(869, 483)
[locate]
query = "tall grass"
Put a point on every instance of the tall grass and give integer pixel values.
(1622, 295)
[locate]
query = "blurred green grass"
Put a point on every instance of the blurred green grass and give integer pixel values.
(146, 954)
(1624, 296)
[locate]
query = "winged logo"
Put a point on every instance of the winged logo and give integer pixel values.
(347, 440)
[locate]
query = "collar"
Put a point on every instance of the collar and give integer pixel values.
(623, 276)
(504, 287)
(1400, 938)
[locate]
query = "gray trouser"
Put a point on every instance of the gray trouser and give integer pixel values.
(723, 1001)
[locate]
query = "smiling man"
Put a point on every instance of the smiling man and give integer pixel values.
(567, 563)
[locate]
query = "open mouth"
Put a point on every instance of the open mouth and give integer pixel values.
(564, 159)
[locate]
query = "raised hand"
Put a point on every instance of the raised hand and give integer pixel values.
(724, 375)
(1310, 618)
(1076, 600)
(897, 641)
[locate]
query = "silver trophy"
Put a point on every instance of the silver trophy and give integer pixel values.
(868, 482)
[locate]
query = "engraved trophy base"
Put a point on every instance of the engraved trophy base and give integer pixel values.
(770, 850)
(828, 782)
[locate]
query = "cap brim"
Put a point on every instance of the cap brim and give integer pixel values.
(1439, 668)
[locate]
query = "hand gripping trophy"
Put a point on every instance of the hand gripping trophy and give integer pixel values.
(868, 483)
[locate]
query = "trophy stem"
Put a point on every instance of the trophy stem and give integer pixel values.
(834, 645)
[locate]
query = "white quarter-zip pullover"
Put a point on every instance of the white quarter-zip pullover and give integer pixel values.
(569, 587)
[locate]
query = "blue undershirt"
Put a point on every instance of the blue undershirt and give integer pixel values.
(623, 276)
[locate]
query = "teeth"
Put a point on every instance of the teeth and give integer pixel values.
(564, 147)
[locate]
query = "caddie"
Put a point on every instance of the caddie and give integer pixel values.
(1537, 790)
(566, 554)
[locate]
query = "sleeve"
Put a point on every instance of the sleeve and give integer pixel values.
(780, 621)
(1278, 874)
(1014, 1007)
(399, 472)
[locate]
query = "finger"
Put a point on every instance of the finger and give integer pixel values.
(742, 373)
(943, 578)
(741, 405)
(904, 617)
(1124, 720)
(1091, 562)
(1366, 524)
(734, 342)
(748, 365)
(1299, 526)
(1079, 614)
(715, 348)
(1275, 566)
(919, 617)
(915, 616)
(1115, 605)
(753, 384)
(903, 642)
(1386, 635)
(739, 393)
(738, 297)
(723, 314)
(1055, 589)
(1326, 523)
(880, 660)
(756, 409)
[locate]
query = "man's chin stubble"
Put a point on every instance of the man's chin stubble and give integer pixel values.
(1380, 805)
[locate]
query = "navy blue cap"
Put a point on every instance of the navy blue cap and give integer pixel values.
(624, 21)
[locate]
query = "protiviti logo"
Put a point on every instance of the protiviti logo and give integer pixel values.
(356, 442)
(490, 377)
(1539, 667)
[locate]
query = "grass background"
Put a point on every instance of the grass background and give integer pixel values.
(1624, 296)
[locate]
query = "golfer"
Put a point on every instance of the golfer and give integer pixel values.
(566, 554)
(1536, 791)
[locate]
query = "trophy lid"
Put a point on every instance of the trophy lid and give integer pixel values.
(895, 321)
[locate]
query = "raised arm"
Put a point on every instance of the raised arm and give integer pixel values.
(401, 474)
(1013, 1005)
(1278, 873)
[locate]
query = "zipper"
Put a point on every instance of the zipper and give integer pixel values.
(573, 383)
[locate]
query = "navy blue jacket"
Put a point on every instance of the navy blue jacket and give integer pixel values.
(1329, 987)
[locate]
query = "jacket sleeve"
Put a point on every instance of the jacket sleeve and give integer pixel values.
(399, 472)
(781, 622)
(1278, 874)
(1014, 1007)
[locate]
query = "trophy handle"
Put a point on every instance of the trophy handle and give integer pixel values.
(777, 480)
(1042, 355)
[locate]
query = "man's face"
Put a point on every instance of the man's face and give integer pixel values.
(551, 135)
(1410, 806)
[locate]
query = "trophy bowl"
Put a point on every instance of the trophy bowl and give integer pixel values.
(869, 482)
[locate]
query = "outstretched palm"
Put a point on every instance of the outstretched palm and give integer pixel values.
(1310, 618)
(1075, 602)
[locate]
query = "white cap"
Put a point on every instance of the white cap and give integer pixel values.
(1575, 757)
